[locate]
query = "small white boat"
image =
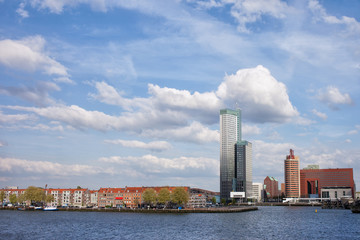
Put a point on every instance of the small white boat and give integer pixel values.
(51, 208)
(38, 208)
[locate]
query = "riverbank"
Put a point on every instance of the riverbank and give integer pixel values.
(186, 210)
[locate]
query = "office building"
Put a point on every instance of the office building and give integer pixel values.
(292, 175)
(235, 156)
(312, 181)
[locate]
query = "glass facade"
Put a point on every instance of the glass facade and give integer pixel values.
(235, 156)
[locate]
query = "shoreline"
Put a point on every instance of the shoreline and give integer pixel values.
(186, 210)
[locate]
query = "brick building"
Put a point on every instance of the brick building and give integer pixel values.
(271, 187)
(313, 180)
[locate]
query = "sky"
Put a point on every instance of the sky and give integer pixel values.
(105, 93)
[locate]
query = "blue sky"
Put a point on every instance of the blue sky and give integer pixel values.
(127, 93)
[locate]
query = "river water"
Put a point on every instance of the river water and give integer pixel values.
(265, 223)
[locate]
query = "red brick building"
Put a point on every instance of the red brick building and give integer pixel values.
(313, 180)
(271, 187)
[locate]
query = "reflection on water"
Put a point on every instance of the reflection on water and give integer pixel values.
(266, 223)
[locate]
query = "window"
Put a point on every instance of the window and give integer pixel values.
(335, 194)
(343, 193)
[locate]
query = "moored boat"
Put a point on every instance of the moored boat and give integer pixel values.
(50, 208)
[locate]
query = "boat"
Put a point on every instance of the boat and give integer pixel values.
(355, 208)
(50, 208)
(38, 208)
(21, 208)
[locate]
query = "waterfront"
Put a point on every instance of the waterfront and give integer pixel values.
(266, 223)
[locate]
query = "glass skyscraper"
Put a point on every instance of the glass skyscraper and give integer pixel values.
(235, 156)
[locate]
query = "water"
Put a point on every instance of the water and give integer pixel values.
(266, 223)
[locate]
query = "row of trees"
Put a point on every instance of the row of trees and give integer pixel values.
(32, 194)
(178, 196)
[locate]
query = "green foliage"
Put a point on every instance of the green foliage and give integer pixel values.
(35, 194)
(2, 196)
(149, 196)
(21, 198)
(78, 187)
(49, 198)
(213, 200)
(180, 196)
(223, 201)
(13, 198)
(164, 196)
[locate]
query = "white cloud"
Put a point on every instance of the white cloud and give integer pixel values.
(64, 80)
(250, 11)
(12, 118)
(321, 115)
(320, 14)
(14, 165)
(352, 132)
(333, 97)
(21, 11)
(38, 95)
(250, 129)
(195, 132)
(153, 146)
(259, 94)
(149, 164)
(28, 54)
(348, 140)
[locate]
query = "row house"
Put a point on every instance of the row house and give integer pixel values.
(10, 191)
(69, 197)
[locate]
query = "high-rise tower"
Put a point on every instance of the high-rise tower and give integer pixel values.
(292, 175)
(235, 156)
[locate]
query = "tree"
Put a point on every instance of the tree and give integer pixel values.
(34, 194)
(149, 196)
(223, 201)
(180, 196)
(2, 197)
(21, 198)
(213, 200)
(164, 196)
(78, 187)
(13, 198)
(49, 198)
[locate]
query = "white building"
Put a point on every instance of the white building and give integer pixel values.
(258, 191)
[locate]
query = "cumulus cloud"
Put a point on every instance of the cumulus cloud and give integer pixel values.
(321, 115)
(153, 146)
(333, 97)
(195, 132)
(149, 164)
(38, 95)
(259, 94)
(180, 115)
(14, 165)
(29, 54)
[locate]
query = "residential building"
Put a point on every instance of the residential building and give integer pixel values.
(235, 156)
(93, 197)
(313, 180)
(271, 187)
(292, 175)
(258, 191)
